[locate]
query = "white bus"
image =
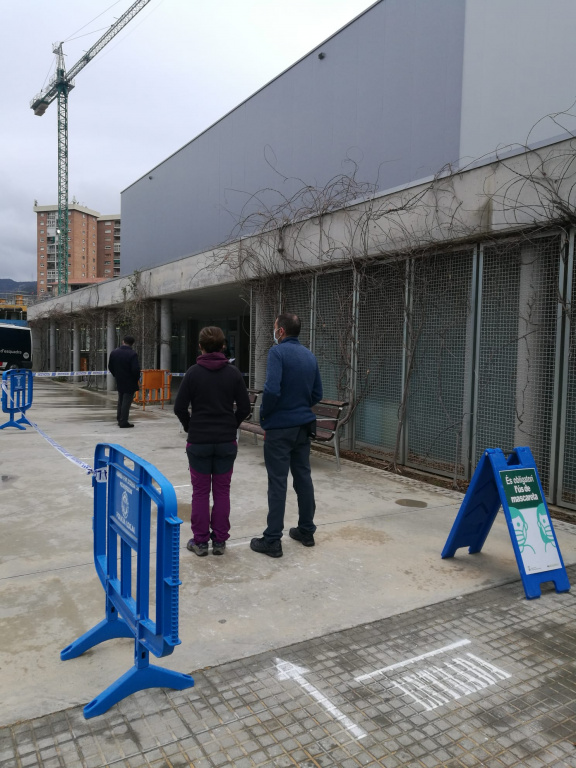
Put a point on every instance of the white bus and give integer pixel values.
(15, 346)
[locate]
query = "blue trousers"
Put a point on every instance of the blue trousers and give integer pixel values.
(289, 449)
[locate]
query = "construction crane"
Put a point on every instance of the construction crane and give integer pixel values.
(59, 87)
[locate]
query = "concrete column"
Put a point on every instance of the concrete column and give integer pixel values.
(76, 346)
(110, 345)
(165, 334)
(52, 342)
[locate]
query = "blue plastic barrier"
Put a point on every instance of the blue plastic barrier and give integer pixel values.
(17, 391)
(125, 487)
(514, 484)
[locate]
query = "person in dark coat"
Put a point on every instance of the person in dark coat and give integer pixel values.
(220, 403)
(125, 367)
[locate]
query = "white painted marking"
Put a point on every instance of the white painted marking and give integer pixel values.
(434, 686)
(472, 681)
(453, 681)
(409, 693)
(497, 671)
(413, 660)
(438, 683)
(289, 671)
(480, 673)
(436, 698)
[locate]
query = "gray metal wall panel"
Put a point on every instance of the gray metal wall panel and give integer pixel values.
(387, 96)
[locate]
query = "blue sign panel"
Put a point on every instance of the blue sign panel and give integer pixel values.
(125, 494)
(17, 390)
(125, 489)
(513, 484)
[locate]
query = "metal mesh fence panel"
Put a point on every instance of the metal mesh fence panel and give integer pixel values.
(265, 303)
(439, 339)
(64, 345)
(296, 298)
(333, 332)
(517, 348)
(568, 479)
(381, 313)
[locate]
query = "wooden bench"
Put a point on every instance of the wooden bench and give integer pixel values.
(328, 422)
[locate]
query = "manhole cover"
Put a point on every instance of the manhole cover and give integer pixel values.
(411, 503)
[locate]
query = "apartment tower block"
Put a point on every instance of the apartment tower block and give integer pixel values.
(93, 247)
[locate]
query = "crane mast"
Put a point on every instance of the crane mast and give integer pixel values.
(58, 89)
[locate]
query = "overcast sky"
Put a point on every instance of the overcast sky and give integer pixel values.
(176, 68)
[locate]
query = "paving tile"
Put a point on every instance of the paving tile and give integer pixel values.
(516, 671)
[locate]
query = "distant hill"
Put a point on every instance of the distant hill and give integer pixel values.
(13, 286)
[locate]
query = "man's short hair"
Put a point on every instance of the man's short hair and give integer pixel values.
(211, 339)
(129, 340)
(290, 322)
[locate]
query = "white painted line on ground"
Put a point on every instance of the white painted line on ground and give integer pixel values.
(383, 670)
(496, 670)
(406, 692)
(289, 671)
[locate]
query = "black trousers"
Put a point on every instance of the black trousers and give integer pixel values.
(123, 409)
(289, 449)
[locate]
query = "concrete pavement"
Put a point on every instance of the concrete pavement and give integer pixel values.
(378, 555)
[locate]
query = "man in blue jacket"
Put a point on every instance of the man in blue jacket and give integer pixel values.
(292, 387)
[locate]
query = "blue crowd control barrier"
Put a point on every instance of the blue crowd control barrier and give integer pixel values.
(125, 487)
(17, 391)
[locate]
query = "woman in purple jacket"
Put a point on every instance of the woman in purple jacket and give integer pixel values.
(217, 393)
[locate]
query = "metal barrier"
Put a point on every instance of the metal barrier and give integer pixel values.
(125, 487)
(154, 388)
(17, 391)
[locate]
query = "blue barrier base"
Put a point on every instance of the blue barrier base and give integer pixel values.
(105, 630)
(136, 679)
(17, 424)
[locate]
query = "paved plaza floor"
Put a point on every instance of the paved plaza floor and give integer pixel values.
(366, 650)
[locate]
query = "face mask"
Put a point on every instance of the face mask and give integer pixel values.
(274, 336)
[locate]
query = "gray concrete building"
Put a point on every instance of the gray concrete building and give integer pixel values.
(407, 188)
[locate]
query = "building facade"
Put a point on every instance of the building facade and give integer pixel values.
(410, 194)
(89, 262)
(108, 246)
(404, 91)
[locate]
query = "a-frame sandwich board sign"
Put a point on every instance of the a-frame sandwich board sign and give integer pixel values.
(514, 484)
